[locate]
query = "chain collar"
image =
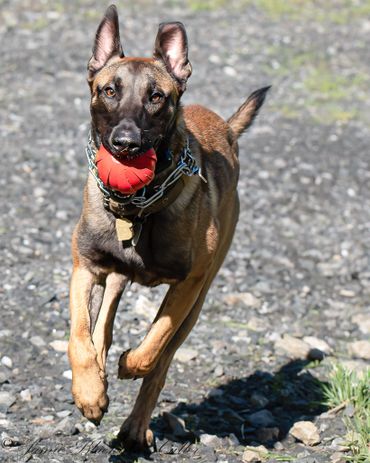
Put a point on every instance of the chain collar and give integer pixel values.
(185, 166)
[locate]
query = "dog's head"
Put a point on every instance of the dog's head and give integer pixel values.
(134, 101)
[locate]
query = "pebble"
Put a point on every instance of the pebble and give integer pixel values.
(6, 400)
(37, 341)
(248, 299)
(360, 349)
(67, 374)
(338, 457)
(176, 424)
(306, 432)
(265, 435)
(254, 454)
(65, 427)
(219, 371)
(210, 440)
(185, 354)
(63, 413)
(4, 377)
(26, 395)
(7, 361)
(258, 400)
(363, 322)
(59, 345)
(261, 419)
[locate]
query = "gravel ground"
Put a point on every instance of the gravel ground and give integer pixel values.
(298, 271)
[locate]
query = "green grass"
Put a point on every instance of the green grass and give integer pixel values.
(346, 387)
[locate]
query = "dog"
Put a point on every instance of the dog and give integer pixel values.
(176, 231)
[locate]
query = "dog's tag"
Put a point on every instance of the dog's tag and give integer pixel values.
(124, 229)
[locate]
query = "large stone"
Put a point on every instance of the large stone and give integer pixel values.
(360, 349)
(306, 432)
(295, 348)
(319, 344)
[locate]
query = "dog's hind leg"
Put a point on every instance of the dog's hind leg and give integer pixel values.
(178, 302)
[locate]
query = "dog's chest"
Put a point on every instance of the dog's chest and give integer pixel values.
(160, 256)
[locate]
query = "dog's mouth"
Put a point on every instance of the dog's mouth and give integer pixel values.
(128, 172)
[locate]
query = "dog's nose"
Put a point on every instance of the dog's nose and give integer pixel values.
(124, 142)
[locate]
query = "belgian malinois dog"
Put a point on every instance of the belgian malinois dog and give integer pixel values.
(178, 237)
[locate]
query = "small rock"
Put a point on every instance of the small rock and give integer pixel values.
(67, 374)
(26, 395)
(215, 393)
(339, 444)
(63, 413)
(347, 293)
(255, 454)
(6, 401)
(59, 345)
(185, 354)
(90, 427)
(4, 376)
(210, 440)
(248, 299)
(360, 349)
(261, 419)
(258, 400)
(306, 432)
(363, 322)
(176, 424)
(219, 371)
(338, 457)
(7, 361)
(265, 435)
(37, 341)
(65, 427)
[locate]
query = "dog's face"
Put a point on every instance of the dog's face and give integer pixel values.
(134, 101)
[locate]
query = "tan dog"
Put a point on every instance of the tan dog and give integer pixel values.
(180, 239)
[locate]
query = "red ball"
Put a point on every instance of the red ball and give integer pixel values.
(126, 175)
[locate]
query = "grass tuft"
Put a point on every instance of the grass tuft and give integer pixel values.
(346, 387)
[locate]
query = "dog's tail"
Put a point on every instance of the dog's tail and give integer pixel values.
(245, 115)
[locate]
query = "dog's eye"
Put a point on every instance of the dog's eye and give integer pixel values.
(156, 97)
(110, 92)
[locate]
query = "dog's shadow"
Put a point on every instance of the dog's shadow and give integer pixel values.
(280, 399)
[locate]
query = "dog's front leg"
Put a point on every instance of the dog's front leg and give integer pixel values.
(88, 378)
(102, 331)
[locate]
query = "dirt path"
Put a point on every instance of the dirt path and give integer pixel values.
(299, 264)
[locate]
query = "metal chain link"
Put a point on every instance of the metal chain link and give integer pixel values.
(186, 166)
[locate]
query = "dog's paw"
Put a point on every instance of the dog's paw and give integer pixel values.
(131, 366)
(89, 393)
(135, 435)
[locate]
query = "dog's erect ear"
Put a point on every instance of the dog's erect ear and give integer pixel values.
(171, 46)
(107, 42)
